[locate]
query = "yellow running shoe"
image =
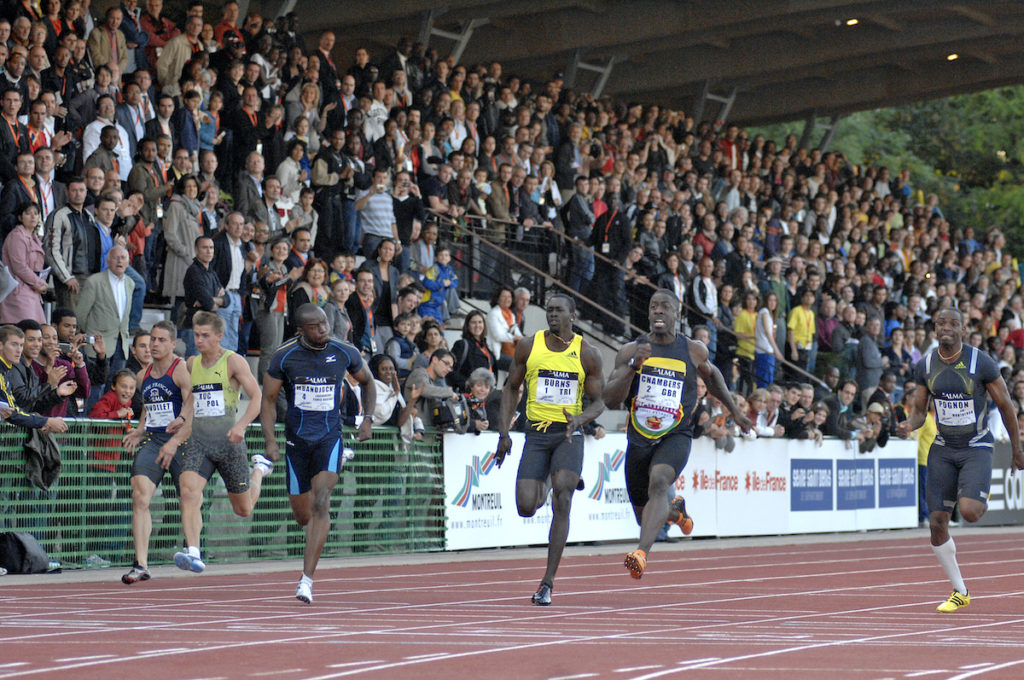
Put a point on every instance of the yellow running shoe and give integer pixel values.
(636, 562)
(684, 521)
(955, 601)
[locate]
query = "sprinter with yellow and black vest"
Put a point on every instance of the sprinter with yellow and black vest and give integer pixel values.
(656, 375)
(559, 367)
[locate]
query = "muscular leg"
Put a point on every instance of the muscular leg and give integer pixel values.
(192, 485)
(971, 509)
(143, 489)
(319, 525)
(302, 507)
(531, 494)
(243, 503)
(656, 510)
(563, 484)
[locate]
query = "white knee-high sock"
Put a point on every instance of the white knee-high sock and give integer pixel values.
(947, 558)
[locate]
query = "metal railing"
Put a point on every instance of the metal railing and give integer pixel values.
(483, 251)
(390, 498)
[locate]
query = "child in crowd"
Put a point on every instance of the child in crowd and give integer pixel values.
(341, 268)
(442, 284)
(400, 347)
(116, 404)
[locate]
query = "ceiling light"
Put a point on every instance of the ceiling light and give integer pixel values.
(852, 22)
(952, 57)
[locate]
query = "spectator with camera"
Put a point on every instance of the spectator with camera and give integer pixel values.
(438, 404)
(33, 393)
(70, 340)
(55, 357)
(12, 343)
(479, 390)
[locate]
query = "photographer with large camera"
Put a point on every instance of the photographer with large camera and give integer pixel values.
(439, 405)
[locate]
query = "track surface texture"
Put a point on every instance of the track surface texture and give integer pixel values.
(853, 606)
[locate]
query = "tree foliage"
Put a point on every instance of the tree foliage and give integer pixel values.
(968, 149)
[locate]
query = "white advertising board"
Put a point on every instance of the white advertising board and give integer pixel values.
(763, 487)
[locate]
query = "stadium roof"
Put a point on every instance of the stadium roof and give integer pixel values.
(767, 60)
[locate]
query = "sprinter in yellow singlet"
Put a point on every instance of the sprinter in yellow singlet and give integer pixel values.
(559, 367)
(217, 440)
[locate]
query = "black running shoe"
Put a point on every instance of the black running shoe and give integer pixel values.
(543, 595)
(580, 485)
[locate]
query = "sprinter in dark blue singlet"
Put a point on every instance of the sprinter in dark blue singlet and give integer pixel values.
(656, 375)
(312, 370)
(959, 380)
(161, 430)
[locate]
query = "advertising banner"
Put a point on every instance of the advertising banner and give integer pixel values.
(763, 487)
(1006, 495)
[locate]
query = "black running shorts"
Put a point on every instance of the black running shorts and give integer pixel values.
(144, 464)
(957, 473)
(672, 450)
(308, 459)
(545, 452)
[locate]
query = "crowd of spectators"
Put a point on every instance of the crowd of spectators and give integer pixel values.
(222, 164)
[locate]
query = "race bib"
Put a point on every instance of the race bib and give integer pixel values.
(314, 397)
(657, 407)
(557, 388)
(955, 412)
(209, 403)
(159, 414)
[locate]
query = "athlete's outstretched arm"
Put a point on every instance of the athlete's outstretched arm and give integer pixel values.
(716, 383)
(368, 394)
(617, 387)
(594, 387)
(510, 396)
(268, 415)
(997, 390)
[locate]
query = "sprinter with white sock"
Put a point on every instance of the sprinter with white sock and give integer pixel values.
(959, 379)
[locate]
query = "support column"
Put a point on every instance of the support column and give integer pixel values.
(604, 71)
(286, 6)
(809, 125)
(830, 132)
(461, 38)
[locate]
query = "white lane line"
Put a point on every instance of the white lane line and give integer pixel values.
(84, 658)
(573, 677)
(277, 672)
(503, 620)
(414, 657)
(633, 669)
(980, 671)
(354, 663)
(919, 674)
(837, 643)
(971, 666)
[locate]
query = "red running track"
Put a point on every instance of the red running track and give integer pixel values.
(858, 607)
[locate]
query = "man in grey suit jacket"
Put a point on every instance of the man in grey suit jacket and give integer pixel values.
(265, 210)
(249, 184)
(104, 306)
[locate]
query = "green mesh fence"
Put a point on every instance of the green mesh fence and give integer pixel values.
(390, 498)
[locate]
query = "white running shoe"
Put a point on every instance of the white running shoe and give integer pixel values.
(188, 562)
(304, 593)
(263, 464)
